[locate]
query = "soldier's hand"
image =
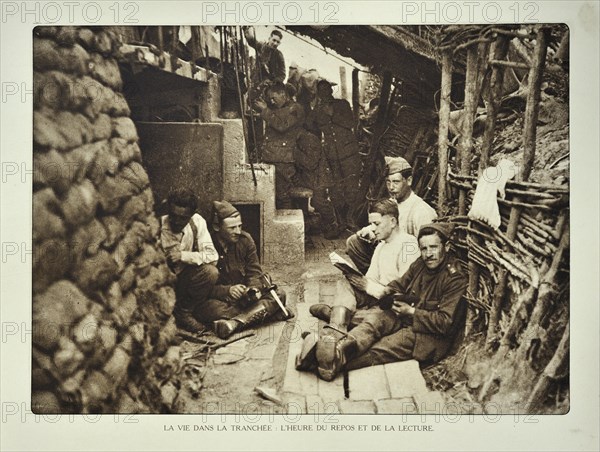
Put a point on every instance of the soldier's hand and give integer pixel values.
(174, 256)
(236, 292)
(260, 104)
(359, 282)
(328, 109)
(366, 234)
(402, 309)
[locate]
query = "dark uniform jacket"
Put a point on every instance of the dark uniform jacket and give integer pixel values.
(270, 60)
(340, 142)
(238, 265)
(309, 159)
(441, 312)
(282, 128)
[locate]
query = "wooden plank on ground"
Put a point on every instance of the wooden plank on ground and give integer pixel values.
(294, 381)
(264, 344)
(294, 404)
(405, 379)
(332, 391)
(369, 383)
(311, 292)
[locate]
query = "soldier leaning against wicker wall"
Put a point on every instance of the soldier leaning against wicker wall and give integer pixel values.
(102, 295)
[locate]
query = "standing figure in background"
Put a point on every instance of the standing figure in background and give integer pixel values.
(312, 173)
(191, 255)
(283, 119)
(334, 118)
(270, 60)
(295, 73)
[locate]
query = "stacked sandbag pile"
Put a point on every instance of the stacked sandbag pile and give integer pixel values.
(102, 293)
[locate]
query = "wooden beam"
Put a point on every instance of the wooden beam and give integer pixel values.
(378, 129)
(343, 84)
(493, 101)
(465, 144)
(355, 95)
(553, 371)
(444, 121)
(533, 102)
(512, 64)
(401, 36)
(529, 135)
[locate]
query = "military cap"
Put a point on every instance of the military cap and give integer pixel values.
(444, 229)
(396, 165)
(222, 210)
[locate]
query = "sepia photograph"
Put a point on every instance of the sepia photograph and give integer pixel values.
(295, 223)
(191, 182)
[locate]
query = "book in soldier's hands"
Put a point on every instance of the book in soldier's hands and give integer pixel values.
(342, 264)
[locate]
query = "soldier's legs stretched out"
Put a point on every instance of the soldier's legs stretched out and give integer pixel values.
(395, 347)
(376, 325)
(360, 305)
(265, 308)
(192, 289)
(213, 309)
(338, 318)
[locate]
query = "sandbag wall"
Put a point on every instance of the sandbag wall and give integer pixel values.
(102, 293)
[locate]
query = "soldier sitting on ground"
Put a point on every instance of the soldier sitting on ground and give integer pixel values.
(190, 253)
(240, 297)
(425, 321)
(394, 254)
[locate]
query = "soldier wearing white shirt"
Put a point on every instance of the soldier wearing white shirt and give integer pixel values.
(395, 252)
(413, 213)
(190, 253)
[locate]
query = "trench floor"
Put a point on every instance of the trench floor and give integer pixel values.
(256, 374)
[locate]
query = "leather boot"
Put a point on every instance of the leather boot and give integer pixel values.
(306, 359)
(335, 347)
(321, 311)
(252, 316)
(185, 320)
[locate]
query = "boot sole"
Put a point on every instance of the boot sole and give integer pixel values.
(306, 359)
(223, 331)
(327, 355)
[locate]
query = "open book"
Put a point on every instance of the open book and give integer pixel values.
(342, 264)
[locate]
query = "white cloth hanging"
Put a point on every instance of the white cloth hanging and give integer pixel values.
(491, 184)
